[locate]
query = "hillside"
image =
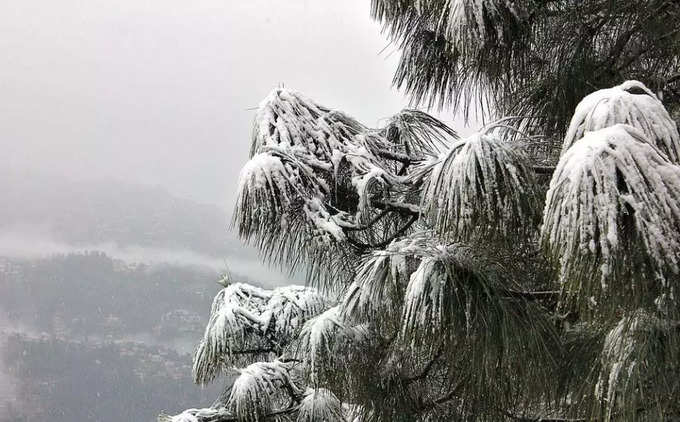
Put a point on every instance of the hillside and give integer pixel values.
(104, 292)
(91, 213)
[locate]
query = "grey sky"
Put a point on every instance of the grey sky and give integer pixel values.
(162, 91)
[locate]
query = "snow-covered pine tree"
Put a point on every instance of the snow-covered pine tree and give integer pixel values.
(437, 288)
(531, 58)
(429, 297)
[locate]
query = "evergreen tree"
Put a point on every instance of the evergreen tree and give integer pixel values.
(464, 279)
(534, 59)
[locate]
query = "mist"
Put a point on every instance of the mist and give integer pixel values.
(23, 245)
(8, 383)
(163, 92)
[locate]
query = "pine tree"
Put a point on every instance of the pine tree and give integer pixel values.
(534, 59)
(466, 279)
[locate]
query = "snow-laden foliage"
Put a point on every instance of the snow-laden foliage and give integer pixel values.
(630, 103)
(630, 360)
(255, 391)
(440, 296)
(488, 21)
(429, 309)
(481, 185)
(246, 321)
(325, 341)
(198, 415)
(376, 294)
(451, 286)
(535, 59)
(420, 134)
(320, 405)
(494, 21)
(318, 178)
(431, 295)
(317, 340)
(613, 212)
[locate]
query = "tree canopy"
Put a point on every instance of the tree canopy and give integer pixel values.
(531, 58)
(455, 278)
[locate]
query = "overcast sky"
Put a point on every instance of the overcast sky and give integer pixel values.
(162, 91)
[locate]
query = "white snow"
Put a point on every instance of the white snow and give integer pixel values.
(599, 178)
(630, 103)
(424, 299)
(318, 342)
(297, 153)
(479, 180)
(244, 317)
(196, 415)
(253, 390)
(470, 19)
(377, 291)
(320, 405)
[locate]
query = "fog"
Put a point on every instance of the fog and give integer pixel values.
(22, 244)
(162, 92)
(8, 384)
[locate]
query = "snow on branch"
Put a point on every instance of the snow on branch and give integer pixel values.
(613, 209)
(427, 309)
(481, 185)
(458, 298)
(630, 358)
(376, 294)
(308, 191)
(317, 340)
(376, 291)
(200, 415)
(465, 22)
(325, 341)
(320, 405)
(418, 133)
(422, 286)
(445, 290)
(438, 284)
(492, 21)
(630, 103)
(255, 391)
(269, 185)
(247, 322)
(315, 405)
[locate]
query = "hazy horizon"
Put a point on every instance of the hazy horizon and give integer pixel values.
(163, 93)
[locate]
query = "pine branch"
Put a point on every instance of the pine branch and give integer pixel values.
(403, 208)
(368, 225)
(543, 170)
(543, 419)
(257, 351)
(446, 397)
(426, 370)
(402, 158)
(227, 417)
(537, 295)
(367, 246)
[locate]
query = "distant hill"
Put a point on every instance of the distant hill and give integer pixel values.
(84, 295)
(105, 289)
(64, 380)
(43, 216)
(84, 337)
(90, 213)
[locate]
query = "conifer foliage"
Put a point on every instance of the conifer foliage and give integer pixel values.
(458, 279)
